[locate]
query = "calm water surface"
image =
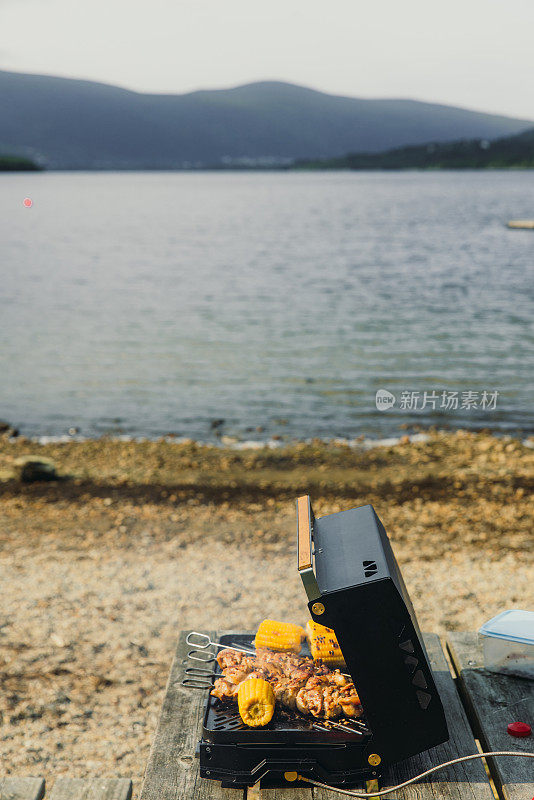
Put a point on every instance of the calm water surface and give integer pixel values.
(150, 303)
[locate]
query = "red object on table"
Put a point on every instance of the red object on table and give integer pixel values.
(519, 729)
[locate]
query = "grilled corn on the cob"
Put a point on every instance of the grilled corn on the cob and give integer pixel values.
(279, 636)
(255, 698)
(324, 645)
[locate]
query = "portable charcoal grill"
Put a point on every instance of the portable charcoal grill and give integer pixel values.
(355, 587)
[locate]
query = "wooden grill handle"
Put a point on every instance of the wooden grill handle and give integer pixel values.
(304, 532)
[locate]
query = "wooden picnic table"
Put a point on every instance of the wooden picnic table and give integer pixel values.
(478, 704)
(66, 789)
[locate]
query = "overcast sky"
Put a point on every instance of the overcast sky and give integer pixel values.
(475, 53)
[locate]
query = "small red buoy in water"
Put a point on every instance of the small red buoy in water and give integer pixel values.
(519, 729)
(28, 202)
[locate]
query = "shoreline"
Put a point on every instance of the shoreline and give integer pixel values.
(236, 442)
(483, 475)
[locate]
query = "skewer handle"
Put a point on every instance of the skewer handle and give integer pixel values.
(201, 655)
(199, 672)
(196, 683)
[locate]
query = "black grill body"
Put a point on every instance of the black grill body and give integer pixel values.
(365, 601)
(355, 587)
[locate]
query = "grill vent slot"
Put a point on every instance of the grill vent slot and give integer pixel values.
(370, 568)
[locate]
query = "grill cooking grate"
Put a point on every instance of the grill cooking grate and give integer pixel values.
(223, 723)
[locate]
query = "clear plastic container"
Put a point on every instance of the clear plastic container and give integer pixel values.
(508, 642)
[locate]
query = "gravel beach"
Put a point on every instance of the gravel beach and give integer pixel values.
(102, 568)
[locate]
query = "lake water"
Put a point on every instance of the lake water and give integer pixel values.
(155, 303)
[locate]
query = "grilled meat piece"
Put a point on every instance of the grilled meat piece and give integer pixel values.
(329, 696)
(298, 682)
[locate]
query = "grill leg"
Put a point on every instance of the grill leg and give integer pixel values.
(372, 786)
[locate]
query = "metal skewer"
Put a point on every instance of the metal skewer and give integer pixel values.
(347, 726)
(337, 725)
(319, 727)
(206, 642)
(358, 723)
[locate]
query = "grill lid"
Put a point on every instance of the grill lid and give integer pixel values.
(355, 587)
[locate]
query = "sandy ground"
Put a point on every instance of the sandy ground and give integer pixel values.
(100, 571)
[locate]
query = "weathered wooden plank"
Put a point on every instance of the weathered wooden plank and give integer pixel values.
(22, 788)
(298, 793)
(466, 781)
(172, 772)
(91, 789)
(492, 702)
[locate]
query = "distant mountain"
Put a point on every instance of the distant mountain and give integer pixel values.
(73, 124)
(510, 151)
